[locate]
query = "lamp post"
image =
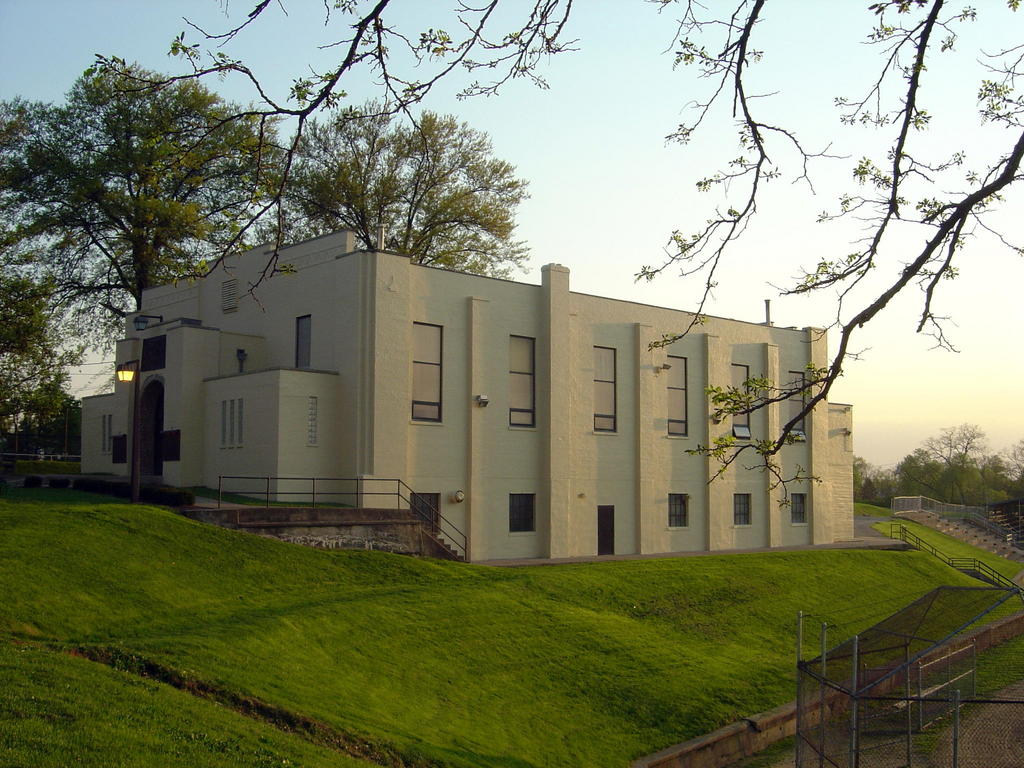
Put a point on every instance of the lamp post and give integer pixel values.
(129, 372)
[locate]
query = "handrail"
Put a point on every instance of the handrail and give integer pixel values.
(436, 520)
(962, 564)
(437, 524)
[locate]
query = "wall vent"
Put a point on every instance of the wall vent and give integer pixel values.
(229, 296)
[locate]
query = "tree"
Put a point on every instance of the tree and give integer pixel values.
(373, 46)
(908, 185)
(121, 189)
(905, 186)
(33, 363)
(1014, 457)
(959, 450)
(433, 186)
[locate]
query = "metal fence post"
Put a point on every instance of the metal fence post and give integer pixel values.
(821, 695)
(313, 481)
(268, 491)
(956, 728)
(220, 485)
(799, 682)
(854, 724)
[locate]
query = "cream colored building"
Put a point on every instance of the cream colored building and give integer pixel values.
(542, 418)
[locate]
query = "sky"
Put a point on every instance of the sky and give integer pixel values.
(607, 190)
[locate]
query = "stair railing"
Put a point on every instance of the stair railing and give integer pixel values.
(969, 565)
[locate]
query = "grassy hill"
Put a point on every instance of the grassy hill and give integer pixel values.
(399, 660)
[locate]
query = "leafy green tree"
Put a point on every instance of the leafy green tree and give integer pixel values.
(33, 361)
(920, 474)
(432, 189)
(122, 188)
(958, 450)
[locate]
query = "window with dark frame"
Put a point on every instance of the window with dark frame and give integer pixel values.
(521, 517)
(798, 508)
(303, 339)
(797, 381)
(604, 390)
(678, 513)
(741, 509)
(426, 371)
(521, 385)
(677, 395)
(740, 421)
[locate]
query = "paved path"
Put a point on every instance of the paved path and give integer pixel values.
(871, 540)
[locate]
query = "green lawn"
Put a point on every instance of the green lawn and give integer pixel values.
(443, 663)
(860, 508)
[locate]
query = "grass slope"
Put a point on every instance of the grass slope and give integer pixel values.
(584, 665)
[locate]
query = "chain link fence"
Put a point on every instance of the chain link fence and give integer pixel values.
(918, 691)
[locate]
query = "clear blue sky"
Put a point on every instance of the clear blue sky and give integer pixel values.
(606, 190)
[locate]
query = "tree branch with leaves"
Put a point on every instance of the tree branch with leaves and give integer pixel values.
(936, 195)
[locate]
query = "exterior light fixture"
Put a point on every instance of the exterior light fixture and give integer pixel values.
(482, 401)
(141, 322)
(458, 497)
(128, 373)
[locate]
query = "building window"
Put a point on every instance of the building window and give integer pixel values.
(232, 423)
(520, 512)
(604, 389)
(426, 372)
(740, 421)
(311, 419)
(741, 509)
(797, 381)
(303, 337)
(798, 508)
(678, 513)
(107, 435)
(521, 397)
(677, 395)
(154, 353)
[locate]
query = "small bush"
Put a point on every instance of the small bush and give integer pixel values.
(47, 467)
(59, 482)
(33, 481)
(170, 497)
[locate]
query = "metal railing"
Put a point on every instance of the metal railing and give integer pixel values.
(352, 492)
(977, 516)
(969, 565)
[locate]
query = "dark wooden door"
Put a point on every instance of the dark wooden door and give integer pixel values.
(606, 530)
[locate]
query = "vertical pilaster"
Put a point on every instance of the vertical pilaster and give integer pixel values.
(386, 384)
(718, 502)
(773, 498)
(556, 386)
(476, 472)
(649, 476)
(820, 493)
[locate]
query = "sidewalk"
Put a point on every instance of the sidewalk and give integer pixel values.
(875, 541)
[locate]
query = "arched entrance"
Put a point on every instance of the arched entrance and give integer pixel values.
(151, 427)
